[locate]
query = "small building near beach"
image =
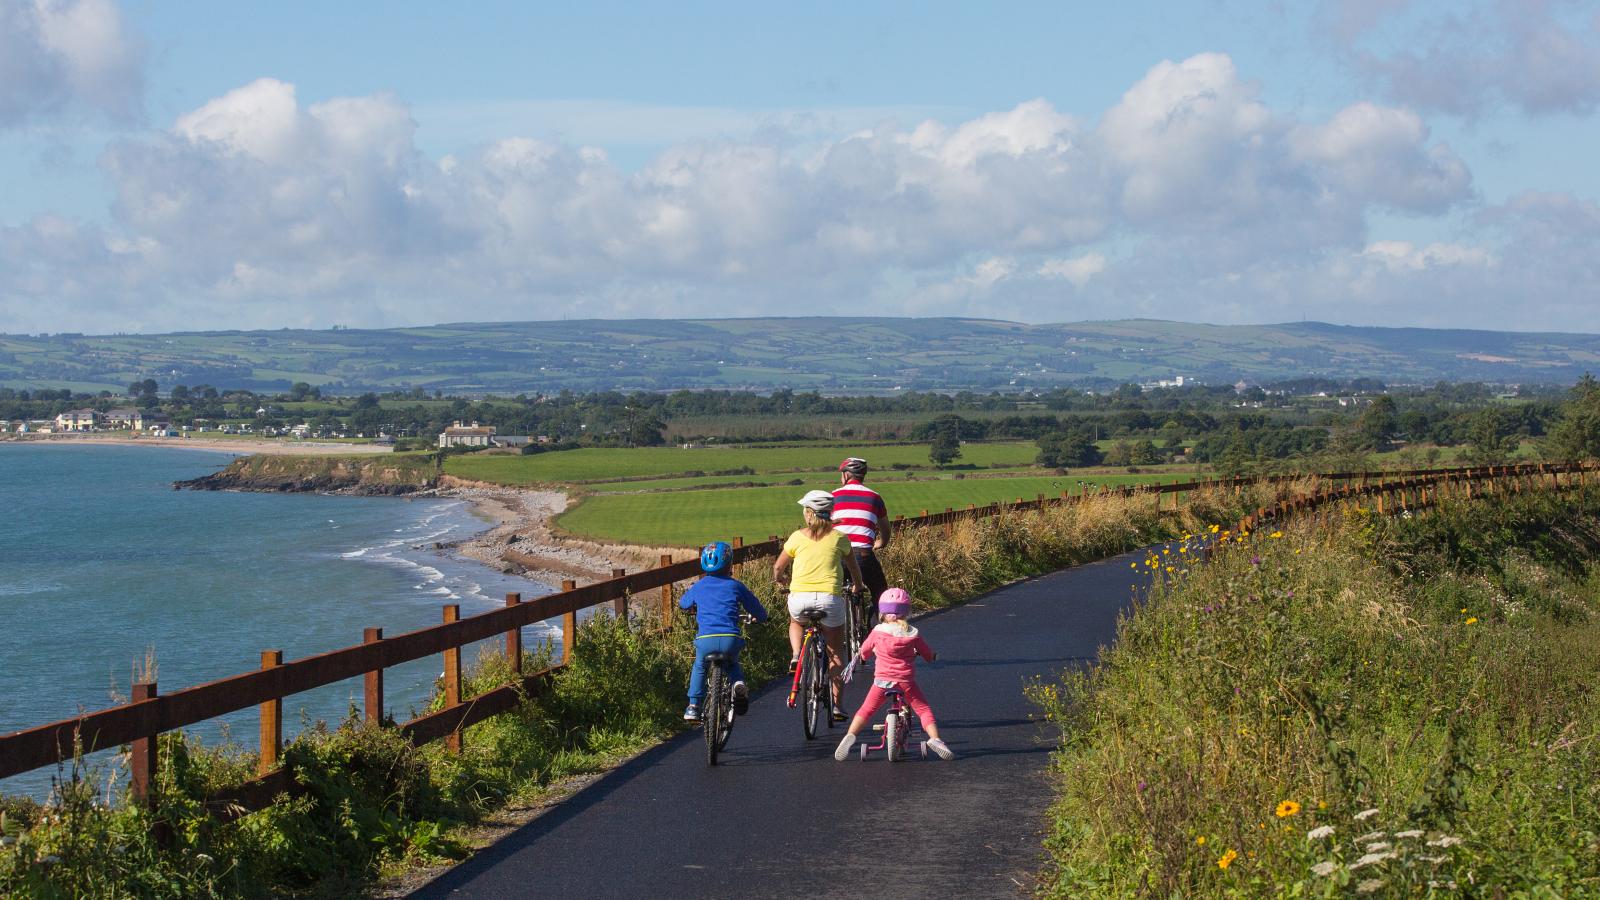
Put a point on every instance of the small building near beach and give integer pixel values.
(474, 435)
(79, 420)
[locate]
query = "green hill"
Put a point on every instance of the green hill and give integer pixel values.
(839, 355)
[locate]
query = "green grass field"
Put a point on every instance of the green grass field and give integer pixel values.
(688, 518)
(572, 466)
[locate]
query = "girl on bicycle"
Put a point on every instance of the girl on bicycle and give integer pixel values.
(897, 644)
(817, 556)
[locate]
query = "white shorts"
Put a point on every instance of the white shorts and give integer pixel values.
(830, 605)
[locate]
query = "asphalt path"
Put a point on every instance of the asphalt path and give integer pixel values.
(778, 817)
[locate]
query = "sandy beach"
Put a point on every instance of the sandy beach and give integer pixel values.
(242, 446)
(523, 542)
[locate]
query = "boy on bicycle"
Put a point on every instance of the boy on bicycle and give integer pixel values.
(716, 599)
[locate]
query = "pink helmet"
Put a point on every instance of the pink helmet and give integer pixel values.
(895, 602)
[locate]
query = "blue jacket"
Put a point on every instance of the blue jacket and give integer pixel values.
(716, 600)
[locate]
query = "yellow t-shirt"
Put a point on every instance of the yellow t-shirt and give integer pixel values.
(818, 565)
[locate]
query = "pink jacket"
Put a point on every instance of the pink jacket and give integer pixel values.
(897, 652)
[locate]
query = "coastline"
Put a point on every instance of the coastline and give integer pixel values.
(243, 447)
(521, 540)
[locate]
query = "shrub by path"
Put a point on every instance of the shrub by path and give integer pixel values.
(779, 817)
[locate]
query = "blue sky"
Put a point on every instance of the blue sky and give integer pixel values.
(183, 165)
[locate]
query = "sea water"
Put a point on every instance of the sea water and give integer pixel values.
(102, 563)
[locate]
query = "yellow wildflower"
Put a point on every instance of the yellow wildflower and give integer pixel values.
(1472, 620)
(1200, 840)
(1276, 534)
(1226, 859)
(1214, 528)
(1288, 808)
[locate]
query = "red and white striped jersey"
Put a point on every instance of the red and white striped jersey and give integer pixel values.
(857, 510)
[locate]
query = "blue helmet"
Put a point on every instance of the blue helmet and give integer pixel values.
(715, 556)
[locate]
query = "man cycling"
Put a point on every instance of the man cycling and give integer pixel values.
(859, 512)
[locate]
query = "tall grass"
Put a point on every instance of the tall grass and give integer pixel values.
(1388, 707)
(369, 802)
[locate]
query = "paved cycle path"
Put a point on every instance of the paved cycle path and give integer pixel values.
(778, 817)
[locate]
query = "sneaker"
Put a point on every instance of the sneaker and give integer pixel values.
(845, 743)
(692, 714)
(741, 698)
(938, 747)
(794, 663)
(838, 716)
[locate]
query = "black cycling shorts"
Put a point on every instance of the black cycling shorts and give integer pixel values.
(872, 573)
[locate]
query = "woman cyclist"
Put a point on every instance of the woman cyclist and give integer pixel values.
(812, 564)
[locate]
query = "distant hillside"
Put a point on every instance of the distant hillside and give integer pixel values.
(842, 355)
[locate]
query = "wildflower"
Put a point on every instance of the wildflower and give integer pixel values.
(1433, 859)
(1275, 535)
(1324, 869)
(1472, 620)
(1288, 808)
(1317, 834)
(1366, 814)
(1369, 836)
(1370, 885)
(1214, 528)
(1445, 841)
(1371, 859)
(1200, 840)
(1255, 560)
(1415, 833)
(1378, 847)
(1226, 859)
(1322, 804)
(203, 857)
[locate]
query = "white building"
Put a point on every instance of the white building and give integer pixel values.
(78, 420)
(474, 435)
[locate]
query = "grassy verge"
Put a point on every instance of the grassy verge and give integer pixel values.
(1389, 707)
(372, 803)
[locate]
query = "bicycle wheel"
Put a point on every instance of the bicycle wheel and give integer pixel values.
(893, 739)
(711, 712)
(725, 727)
(809, 701)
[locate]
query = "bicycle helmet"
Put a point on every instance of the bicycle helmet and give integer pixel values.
(895, 602)
(854, 466)
(715, 556)
(819, 502)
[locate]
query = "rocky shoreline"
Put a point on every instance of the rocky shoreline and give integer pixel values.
(521, 542)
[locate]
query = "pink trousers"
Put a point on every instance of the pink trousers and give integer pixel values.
(914, 699)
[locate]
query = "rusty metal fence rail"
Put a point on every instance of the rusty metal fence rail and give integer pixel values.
(149, 713)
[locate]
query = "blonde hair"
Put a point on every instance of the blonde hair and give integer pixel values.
(893, 619)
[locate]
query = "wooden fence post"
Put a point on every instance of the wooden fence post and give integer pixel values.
(569, 625)
(143, 763)
(949, 525)
(374, 682)
(452, 677)
(514, 639)
(271, 719)
(666, 594)
(619, 605)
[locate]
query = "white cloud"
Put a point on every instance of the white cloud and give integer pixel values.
(1539, 57)
(1077, 270)
(257, 209)
(67, 56)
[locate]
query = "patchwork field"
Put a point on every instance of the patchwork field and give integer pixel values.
(610, 464)
(687, 518)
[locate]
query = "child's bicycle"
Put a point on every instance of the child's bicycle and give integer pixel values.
(717, 713)
(896, 728)
(809, 691)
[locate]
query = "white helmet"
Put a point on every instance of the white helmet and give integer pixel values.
(819, 502)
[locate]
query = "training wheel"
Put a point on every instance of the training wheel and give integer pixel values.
(922, 747)
(863, 752)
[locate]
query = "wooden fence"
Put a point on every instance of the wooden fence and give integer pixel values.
(149, 713)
